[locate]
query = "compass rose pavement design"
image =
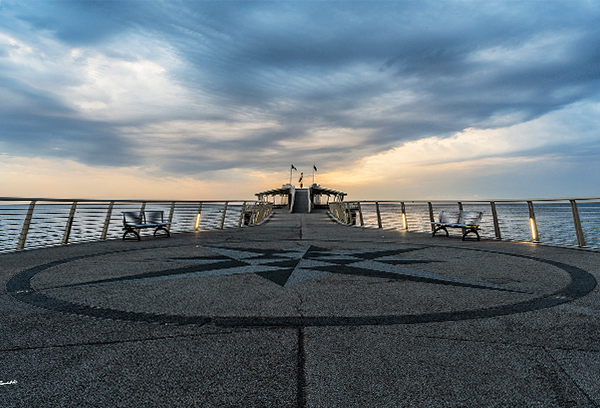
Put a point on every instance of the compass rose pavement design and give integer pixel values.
(282, 269)
(291, 266)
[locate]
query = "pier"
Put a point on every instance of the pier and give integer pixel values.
(300, 310)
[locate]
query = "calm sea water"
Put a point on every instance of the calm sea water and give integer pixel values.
(554, 220)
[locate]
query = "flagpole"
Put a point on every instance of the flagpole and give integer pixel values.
(292, 168)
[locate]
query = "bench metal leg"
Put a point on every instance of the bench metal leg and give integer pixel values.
(166, 234)
(439, 229)
(131, 231)
(471, 230)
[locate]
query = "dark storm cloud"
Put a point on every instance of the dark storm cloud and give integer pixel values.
(78, 22)
(398, 71)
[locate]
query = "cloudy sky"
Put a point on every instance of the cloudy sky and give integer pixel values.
(216, 99)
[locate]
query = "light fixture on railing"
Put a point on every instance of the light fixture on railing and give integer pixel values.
(197, 223)
(532, 224)
(534, 233)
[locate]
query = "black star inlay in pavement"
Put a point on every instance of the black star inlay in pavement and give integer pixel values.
(290, 266)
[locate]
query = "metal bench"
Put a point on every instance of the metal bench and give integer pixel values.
(467, 220)
(133, 221)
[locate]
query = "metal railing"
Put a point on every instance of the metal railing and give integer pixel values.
(570, 222)
(38, 222)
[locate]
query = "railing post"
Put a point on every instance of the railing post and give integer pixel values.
(259, 210)
(25, 229)
(107, 220)
(254, 214)
(347, 213)
(142, 209)
(198, 216)
(67, 233)
(266, 211)
(242, 215)
(496, 222)
(404, 220)
(378, 215)
(171, 216)
(534, 230)
(223, 216)
(431, 218)
(577, 221)
(362, 221)
(460, 208)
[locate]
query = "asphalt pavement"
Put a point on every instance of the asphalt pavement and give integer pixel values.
(300, 312)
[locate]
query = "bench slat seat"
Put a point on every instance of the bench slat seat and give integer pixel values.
(467, 220)
(148, 225)
(455, 225)
(136, 220)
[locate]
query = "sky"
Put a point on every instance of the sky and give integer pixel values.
(390, 100)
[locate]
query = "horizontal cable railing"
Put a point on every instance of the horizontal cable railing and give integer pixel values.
(570, 221)
(29, 223)
(38, 222)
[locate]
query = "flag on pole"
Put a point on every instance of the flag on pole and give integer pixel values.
(315, 167)
(294, 167)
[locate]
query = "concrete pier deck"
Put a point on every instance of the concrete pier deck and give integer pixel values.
(300, 312)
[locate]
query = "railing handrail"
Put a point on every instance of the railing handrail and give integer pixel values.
(512, 200)
(88, 200)
(128, 200)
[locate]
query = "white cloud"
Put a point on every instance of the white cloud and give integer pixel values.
(320, 138)
(544, 48)
(112, 83)
(114, 89)
(419, 166)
